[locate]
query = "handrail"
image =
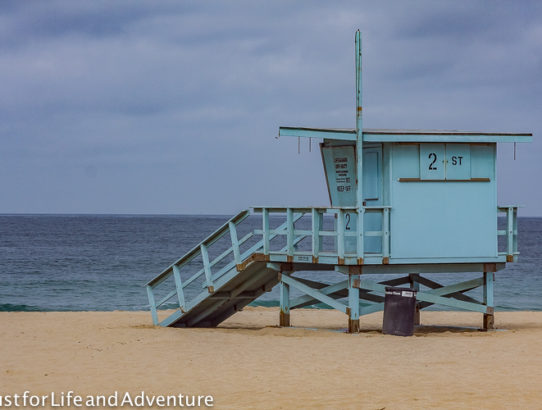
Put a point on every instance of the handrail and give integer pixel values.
(207, 242)
(510, 232)
(342, 231)
(201, 249)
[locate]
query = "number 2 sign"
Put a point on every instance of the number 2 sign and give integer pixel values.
(432, 165)
(445, 162)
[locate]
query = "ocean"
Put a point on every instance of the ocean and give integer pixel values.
(102, 262)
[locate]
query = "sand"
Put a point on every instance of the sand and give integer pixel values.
(250, 363)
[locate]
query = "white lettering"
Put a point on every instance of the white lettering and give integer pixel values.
(113, 399)
(34, 401)
(78, 401)
(90, 401)
(139, 400)
(150, 400)
(127, 399)
(71, 399)
(100, 400)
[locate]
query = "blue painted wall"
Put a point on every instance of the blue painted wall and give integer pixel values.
(442, 219)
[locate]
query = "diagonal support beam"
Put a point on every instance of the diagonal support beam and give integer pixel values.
(316, 294)
(307, 300)
(396, 282)
(437, 295)
(441, 300)
(434, 285)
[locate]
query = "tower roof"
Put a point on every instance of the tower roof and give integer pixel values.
(404, 135)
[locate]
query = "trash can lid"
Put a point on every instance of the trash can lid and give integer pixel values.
(404, 292)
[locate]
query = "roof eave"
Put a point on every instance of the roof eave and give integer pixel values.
(404, 135)
(455, 137)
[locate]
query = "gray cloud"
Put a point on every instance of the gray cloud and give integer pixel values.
(173, 106)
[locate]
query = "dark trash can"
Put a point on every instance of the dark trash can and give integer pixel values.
(399, 311)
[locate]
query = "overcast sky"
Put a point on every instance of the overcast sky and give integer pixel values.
(174, 106)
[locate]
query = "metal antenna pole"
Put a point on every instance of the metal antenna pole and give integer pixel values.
(359, 151)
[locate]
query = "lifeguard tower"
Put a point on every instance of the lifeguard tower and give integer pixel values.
(407, 202)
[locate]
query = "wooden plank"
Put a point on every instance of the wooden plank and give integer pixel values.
(510, 233)
(152, 305)
(386, 233)
(434, 285)
(314, 293)
(489, 278)
(432, 298)
(316, 226)
(353, 303)
(235, 243)
(307, 300)
(396, 281)
(284, 304)
(179, 287)
(206, 266)
(360, 245)
(194, 251)
(265, 229)
(340, 235)
(289, 232)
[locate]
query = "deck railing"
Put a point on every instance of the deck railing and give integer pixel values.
(333, 234)
(511, 231)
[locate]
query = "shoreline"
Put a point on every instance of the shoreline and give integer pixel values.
(250, 362)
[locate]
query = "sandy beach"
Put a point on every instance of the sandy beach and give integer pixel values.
(248, 362)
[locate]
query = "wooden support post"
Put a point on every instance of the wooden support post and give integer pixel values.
(265, 228)
(207, 268)
(386, 236)
(353, 303)
(360, 238)
(359, 152)
(415, 285)
(289, 235)
(510, 235)
(152, 304)
(179, 287)
(284, 320)
(489, 317)
(316, 226)
(340, 237)
(235, 245)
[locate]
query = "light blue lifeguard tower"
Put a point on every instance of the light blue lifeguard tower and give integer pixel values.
(407, 202)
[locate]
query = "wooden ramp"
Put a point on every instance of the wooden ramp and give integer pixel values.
(232, 296)
(208, 296)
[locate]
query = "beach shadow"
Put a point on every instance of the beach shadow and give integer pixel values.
(430, 329)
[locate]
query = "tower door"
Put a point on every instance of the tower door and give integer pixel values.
(372, 196)
(341, 177)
